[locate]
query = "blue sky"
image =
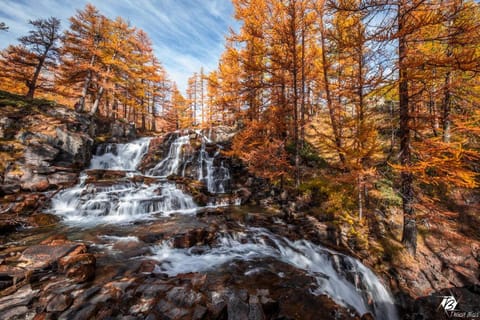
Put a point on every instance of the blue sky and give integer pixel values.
(186, 34)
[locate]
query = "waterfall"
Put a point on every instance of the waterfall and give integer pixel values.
(171, 164)
(216, 178)
(183, 160)
(119, 194)
(124, 200)
(124, 157)
(343, 278)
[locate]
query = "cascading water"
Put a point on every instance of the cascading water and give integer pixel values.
(172, 163)
(123, 200)
(201, 166)
(125, 157)
(344, 279)
(215, 177)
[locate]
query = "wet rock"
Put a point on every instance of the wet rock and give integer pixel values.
(10, 276)
(106, 311)
(255, 309)
(21, 298)
(269, 306)
(153, 290)
(43, 219)
(86, 312)
(44, 256)
(41, 316)
(237, 309)
(80, 267)
(82, 296)
(142, 305)
(199, 312)
(62, 179)
(147, 266)
(192, 238)
(13, 313)
(170, 310)
(217, 305)
(9, 224)
(59, 303)
(184, 298)
(104, 177)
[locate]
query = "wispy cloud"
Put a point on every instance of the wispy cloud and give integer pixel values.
(187, 34)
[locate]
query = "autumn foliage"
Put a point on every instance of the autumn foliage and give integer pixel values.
(346, 91)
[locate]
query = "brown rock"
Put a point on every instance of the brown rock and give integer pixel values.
(147, 266)
(62, 178)
(55, 238)
(44, 256)
(40, 316)
(80, 267)
(199, 312)
(43, 219)
(184, 298)
(59, 303)
(10, 275)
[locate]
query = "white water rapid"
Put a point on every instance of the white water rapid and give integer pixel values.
(201, 165)
(124, 157)
(122, 201)
(344, 279)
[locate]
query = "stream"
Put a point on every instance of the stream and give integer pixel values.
(134, 217)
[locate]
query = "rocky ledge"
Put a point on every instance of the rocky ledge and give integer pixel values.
(42, 148)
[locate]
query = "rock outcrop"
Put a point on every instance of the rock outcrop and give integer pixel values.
(43, 146)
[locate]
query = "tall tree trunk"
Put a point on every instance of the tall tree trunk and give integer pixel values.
(302, 107)
(96, 104)
(331, 110)
(80, 106)
(154, 125)
(409, 235)
(360, 196)
(32, 84)
(293, 34)
(446, 108)
(433, 114)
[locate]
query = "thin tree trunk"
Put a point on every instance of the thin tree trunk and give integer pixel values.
(96, 104)
(446, 108)
(409, 235)
(32, 84)
(360, 196)
(433, 114)
(80, 106)
(302, 108)
(331, 110)
(293, 34)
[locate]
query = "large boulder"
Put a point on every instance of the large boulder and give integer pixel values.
(77, 145)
